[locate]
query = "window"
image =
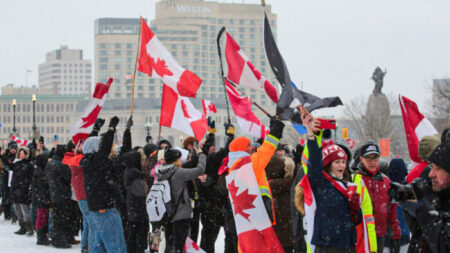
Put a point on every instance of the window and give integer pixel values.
(118, 52)
(129, 45)
(117, 45)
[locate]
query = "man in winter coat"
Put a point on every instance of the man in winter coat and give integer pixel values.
(178, 228)
(41, 199)
(378, 186)
(8, 156)
(101, 191)
(59, 176)
(20, 194)
(137, 217)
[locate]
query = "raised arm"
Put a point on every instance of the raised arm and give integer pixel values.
(189, 174)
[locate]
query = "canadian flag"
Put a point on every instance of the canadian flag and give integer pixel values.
(246, 119)
(208, 108)
(416, 126)
(243, 72)
(128, 77)
(192, 247)
(156, 61)
(179, 113)
(84, 125)
(21, 142)
(253, 226)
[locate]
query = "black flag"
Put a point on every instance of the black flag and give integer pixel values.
(290, 97)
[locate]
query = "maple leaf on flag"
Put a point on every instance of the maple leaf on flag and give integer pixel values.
(241, 202)
(185, 110)
(90, 119)
(161, 68)
(212, 108)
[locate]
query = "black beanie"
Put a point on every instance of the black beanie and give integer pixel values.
(41, 139)
(60, 150)
(441, 156)
(149, 149)
(171, 155)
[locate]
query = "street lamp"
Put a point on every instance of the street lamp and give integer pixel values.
(14, 115)
(33, 98)
(148, 128)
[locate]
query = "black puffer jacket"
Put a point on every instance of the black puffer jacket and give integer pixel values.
(41, 192)
(58, 176)
(21, 180)
(134, 188)
(101, 190)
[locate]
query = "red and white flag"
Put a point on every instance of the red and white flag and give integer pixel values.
(253, 225)
(246, 119)
(192, 247)
(128, 77)
(21, 142)
(83, 126)
(416, 126)
(179, 113)
(156, 61)
(242, 71)
(208, 108)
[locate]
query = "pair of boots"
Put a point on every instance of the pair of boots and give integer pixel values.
(25, 228)
(42, 236)
(60, 241)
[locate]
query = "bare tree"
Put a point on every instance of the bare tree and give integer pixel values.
(440, 104)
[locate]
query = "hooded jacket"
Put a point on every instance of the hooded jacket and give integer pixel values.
(178, 179)
(134, 188)
(41, 192)
(21, 180)
(58, 176)
(77, 180)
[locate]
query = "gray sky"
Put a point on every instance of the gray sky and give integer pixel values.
(331, 46)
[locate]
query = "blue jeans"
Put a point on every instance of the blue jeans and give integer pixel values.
(87, 235)
(109, 235)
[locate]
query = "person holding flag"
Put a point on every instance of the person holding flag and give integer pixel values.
(338, 204)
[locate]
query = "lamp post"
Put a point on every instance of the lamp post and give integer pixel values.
(14, 115)
(33, 98)
(148, 128)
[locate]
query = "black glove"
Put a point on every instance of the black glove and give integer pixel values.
(394, 246)
(113, 122)
(421, 188)
(276, 128)
(130, 122)
(99, 122)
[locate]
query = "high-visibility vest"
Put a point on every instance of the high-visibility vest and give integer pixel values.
(366, 234)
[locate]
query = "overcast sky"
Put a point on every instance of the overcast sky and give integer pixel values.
(331, 46)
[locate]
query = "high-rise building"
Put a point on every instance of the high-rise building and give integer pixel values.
(65, 72)
(188, 29)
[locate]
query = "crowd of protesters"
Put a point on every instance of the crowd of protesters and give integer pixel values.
(99, 190)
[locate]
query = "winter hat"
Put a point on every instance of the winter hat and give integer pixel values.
(171, 155)
(41, 160)
(331, 152)
(60, 150)
(149, 149)
(239, 144)
(132, 159)
(70, 146)
(41, 139)
(441, 156)
(427, 145)
(397, 170)
(12, 144)
(188, 141)
(91, 145)
(164, 141)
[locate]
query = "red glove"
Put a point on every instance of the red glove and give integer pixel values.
(354, 202)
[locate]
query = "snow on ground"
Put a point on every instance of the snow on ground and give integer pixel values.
(12, 243)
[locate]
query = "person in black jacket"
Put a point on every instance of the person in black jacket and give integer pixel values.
(137, 218)
(41, 199)
(101, 191)
(8, 157)
(59, 176)
(20, 190)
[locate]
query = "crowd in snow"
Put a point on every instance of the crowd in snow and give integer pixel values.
(317, 197)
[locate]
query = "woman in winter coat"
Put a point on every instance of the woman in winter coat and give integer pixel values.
(338, 209)
(137, 218)
(20, 193)
(41, 199)
(178, 228)
(279, 172)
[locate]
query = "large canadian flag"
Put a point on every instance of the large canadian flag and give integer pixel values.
(83, 126)
(246, 119)
(417, 126)
(179, 113)
(253, 226)
(156, 61)
(243, 72)
(21, 142)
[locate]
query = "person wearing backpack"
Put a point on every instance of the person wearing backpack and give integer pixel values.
(177, 229)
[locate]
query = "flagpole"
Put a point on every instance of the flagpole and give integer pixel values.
(159, 133)
(135, 64)
(221, 69)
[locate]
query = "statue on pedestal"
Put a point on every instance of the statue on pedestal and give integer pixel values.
(377, 77)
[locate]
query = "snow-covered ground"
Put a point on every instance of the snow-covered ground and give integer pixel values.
(12, 243)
